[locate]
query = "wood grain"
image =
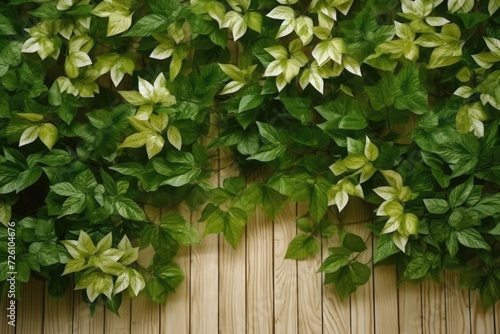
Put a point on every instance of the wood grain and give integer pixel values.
(204, 282)
(385, 299)
(481, 321)
(83, 322)
(260, 312)
(285, 273)
(30, 319)
(309, 290)
(58, 313)
(433, 307)
(410, 308)
(118, 324)
(175, 315)
(457, 305)
(144, 315)
(232, 276)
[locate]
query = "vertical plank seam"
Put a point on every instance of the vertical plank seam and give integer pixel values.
(322, 290)
(219, 244)
(73, 311)
(494, 319)
(445, 305)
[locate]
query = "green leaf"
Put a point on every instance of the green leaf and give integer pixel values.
(302, 246)
(382, 95)
(436, 205)
(249, 102)
(459, 195)
(174, 137)
(234, 227)
(298, 108)
(127, 208)
(334, 262)
(6, 27)
(180, 229)
(353, 242)
(319, 200)
(472, 238)
(409, 94)
(359, 272)
(385, 248)
(268, 153)
(73, 204)
(417, 268)
(65, 189)
(353, 122)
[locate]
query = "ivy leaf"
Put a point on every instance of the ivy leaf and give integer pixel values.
(353, 242)
(338, 259)
(436, 205)
(417, 268)
(385, 248)
(302, 246)
(359, 272)
(471, 238)
(382, 95)
(268, 153)
(148, 25)
(410, 94)
(127, 208)
(459, 195)
(180, 229)
(249, 102)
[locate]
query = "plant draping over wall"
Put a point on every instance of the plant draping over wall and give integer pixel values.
(107, 105)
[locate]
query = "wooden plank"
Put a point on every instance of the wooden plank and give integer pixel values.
(144, 313)
(410, 308)
(457, 305)
(309, 290)
(385, 299)
(58, 313)
(355, 216)
(232, 277)
(336, 313)
(481, 321)
(118, 324)
(433, 307)
(83, 321)
(204, 282)
(29, 308)
(285, 273)
(175, 314)
(260, 317)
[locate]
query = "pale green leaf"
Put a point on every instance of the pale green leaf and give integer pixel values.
(174, 137)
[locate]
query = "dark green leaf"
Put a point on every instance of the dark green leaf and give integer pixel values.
(353, 242)
(302, 246)
(471, 238)
(385, 248)
(147, 25)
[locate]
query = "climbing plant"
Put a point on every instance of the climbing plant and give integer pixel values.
(108, 106)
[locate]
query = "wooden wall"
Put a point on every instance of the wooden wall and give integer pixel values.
(254, 290)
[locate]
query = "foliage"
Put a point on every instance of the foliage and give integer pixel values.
(107, 106)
